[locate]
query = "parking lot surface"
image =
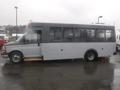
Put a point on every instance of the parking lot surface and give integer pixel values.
(61, 75)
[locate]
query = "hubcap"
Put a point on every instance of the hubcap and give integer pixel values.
(91, 56)
(16, 58)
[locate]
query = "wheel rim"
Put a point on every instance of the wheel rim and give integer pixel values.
(16, 58)
(91, 56)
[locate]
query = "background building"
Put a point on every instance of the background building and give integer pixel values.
(9, 32)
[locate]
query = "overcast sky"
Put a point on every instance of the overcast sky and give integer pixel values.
(60, 11)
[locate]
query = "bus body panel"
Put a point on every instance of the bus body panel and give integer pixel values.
(58, 51)
(53, 51)
(28, 50)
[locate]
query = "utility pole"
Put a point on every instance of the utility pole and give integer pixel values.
(16, 20)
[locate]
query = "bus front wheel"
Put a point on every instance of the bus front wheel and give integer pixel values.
(16, 57)
(90, 56)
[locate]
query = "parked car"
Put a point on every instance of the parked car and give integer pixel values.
(2, 42)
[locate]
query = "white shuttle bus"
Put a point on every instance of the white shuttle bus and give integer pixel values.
(54, 41)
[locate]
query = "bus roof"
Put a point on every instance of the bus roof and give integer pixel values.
(101, 26)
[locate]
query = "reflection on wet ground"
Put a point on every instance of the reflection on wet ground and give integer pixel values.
(60, 75)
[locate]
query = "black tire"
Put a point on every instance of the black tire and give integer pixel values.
(91, 56)
(16, 57)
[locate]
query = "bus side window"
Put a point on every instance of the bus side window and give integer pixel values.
(100, 35)
(68, 34)
(51, 33)
(77, 34)
(83, 35)
(55, 34)
(90, 34)
(108, 35)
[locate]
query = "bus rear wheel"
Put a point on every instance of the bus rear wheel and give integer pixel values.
(16, 57)
(91, 56)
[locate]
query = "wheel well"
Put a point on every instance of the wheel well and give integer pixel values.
(15, 51)
(92, 51)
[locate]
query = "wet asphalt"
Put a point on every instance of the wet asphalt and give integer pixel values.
(61, 75)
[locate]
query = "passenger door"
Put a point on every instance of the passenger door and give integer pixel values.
(31, 48)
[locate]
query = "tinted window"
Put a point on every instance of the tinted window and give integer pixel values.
(55, 34)
(109, 35)
(90, 34)
(68, 34)
(100, 35)
(80, 35)
(83, 35)
(77, 34)
(51, 35)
